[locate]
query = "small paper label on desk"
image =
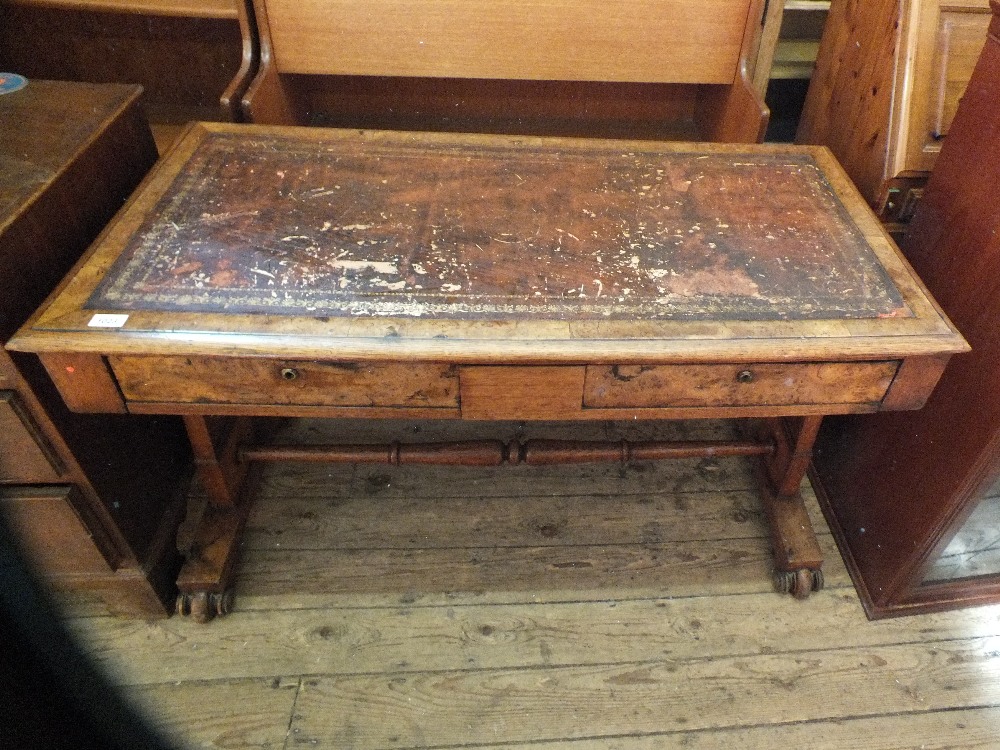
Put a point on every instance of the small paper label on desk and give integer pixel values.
(107, 320)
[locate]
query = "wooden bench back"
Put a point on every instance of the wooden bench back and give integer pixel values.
(657, 67)
(684, 41)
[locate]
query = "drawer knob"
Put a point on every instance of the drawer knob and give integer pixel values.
(744, 376)
(289, 373)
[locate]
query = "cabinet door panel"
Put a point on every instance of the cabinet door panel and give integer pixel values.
(951, 38)
(25, 455)
(50, 532)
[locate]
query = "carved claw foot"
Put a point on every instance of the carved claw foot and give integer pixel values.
(204, 606)
(799, 583)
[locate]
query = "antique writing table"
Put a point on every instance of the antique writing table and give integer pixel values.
(308, 272)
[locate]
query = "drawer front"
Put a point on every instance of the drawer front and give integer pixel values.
(25, 454)
(49, 530)
(219, 380)
(739, 384)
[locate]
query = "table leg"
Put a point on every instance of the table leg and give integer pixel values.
(203, 583)
(798, 559)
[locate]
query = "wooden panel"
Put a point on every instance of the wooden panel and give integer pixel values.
(206, 380)
(521, 392)
(738, 384)
(84, 382)
(181, 8)
(25, 455)
(959, 35)
(852, 90)
(697, 41)
(50, 531)
(914, 382)
(184, 53)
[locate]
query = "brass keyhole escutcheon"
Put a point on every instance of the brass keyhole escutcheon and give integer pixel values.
(289, 373)
(744, 376)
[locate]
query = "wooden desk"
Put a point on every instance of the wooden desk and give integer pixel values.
(94, 499)
(293, 272)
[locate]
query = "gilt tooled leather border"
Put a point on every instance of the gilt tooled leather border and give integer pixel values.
(285, 226)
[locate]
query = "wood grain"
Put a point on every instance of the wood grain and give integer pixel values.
(677, 42)
(461, 635)
(947, 40)
(256, 716)
(204, 380)
(182, 8)
(889, 75)
(50, 531)
(853, 88)
(85, 383)
(390, 645)
(452, 707)
(498, 392)
(745, 383)
(542, 68)
(26, 454)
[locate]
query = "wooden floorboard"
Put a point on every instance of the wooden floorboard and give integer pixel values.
(975, 549)
(539, 608)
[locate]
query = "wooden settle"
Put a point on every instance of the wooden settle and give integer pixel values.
(273, 271)
(898, 487)
(680, 69)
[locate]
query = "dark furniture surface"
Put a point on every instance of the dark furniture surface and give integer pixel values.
(193, 58)
(897, 488)
(93, 499)
(270, 271)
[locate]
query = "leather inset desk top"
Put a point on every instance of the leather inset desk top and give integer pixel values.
(272, 223)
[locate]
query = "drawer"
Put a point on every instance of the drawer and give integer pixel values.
(25, 453)
(221, 380)
(738, 384)
(49, 530)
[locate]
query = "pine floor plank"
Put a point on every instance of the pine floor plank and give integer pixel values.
(612, 479)
(484, 707)
(518, 574)
(586, 607)
(973, 729)
(377, 639)
(644, 518)
(230, 714)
